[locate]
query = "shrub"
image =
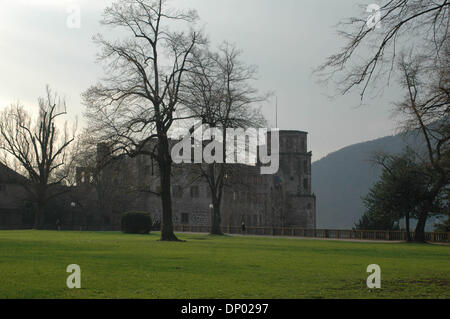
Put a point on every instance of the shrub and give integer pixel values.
(136, 223)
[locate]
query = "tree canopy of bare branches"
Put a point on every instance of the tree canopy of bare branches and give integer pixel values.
(39, 148)
(219, 89)
(369, 54)
(138, 100)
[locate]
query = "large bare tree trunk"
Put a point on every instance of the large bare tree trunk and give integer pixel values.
(41, 195)
(419, 236)
(216, 188)
(165, 168)
(408, 233)
(38, 216)
(216, 217)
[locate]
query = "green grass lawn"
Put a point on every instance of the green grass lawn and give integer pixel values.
(114, 265)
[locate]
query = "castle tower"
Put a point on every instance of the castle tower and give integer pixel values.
(292, 183)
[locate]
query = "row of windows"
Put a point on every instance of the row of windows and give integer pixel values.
(248, 197)
(194, 191)
(250, 179)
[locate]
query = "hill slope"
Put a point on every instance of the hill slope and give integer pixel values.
(343, 177)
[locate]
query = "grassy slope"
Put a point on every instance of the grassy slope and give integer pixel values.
(115, 265)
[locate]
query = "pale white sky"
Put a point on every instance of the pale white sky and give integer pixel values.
(286, 39)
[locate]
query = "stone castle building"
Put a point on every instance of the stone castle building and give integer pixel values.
(12, 198)
(284, 199)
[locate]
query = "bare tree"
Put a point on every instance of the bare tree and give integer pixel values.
(39, 148)
(426, 109)
(138, 100)
(219, 92)
(403, 24)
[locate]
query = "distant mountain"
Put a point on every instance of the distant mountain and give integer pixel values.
(343, 177)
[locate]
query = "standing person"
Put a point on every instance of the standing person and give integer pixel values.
(58, 224)
(243, 227)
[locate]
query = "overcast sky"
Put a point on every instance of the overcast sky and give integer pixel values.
(286, 39)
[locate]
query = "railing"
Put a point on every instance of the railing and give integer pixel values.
(15, 227)
(64, 227)
(375, 235)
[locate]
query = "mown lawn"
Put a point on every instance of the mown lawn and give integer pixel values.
(115, 265)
